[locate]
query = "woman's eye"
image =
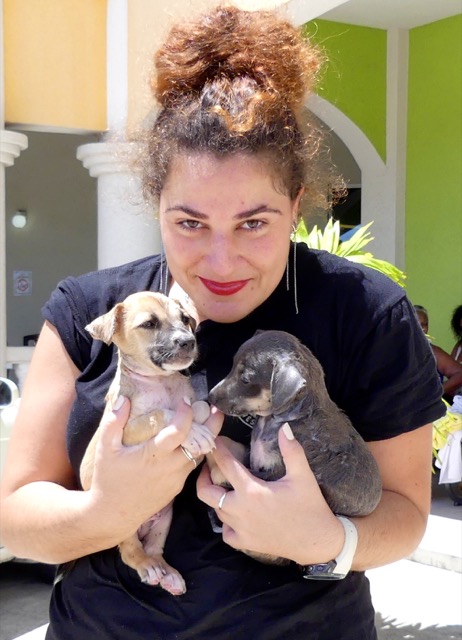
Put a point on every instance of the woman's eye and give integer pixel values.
(190, 225)
(254, 225)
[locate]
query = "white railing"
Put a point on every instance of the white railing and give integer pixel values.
(18, 359)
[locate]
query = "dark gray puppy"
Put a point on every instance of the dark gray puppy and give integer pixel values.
(278, 379)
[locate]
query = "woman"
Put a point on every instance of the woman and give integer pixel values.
(229, 164)
(456, 326)
(449, 370)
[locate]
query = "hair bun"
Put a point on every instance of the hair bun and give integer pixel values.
(229, 44)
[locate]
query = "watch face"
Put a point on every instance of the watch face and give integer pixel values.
(324, 571)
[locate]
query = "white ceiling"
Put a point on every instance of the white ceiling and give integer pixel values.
(381, 14)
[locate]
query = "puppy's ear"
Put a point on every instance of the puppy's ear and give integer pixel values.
(286, 382)
(192, 321)
(104, 327)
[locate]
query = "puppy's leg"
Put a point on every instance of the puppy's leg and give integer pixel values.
(200, 440)
(143, 553)
(141, 428)
(240, 452)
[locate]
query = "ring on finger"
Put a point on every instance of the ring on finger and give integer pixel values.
(222, 500)
(189, 455)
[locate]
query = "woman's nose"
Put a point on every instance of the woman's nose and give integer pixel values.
(222, 255)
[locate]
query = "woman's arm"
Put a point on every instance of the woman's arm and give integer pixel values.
(290, 517)
(398, 524)
(449, 368)
(44, 517)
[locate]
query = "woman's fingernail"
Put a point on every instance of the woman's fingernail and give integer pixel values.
(289, 434)
(118, 403)
(187, 400)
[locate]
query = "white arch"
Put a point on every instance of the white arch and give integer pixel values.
(378, 203)
(351, 135)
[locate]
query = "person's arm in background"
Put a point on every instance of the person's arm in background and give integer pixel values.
(456, 352)
(449, 368)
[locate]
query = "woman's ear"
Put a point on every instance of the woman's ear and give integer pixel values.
(296, 207)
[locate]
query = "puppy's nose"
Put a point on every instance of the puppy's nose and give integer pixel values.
(185, 342)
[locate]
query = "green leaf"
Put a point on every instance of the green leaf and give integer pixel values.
(352, 249)
(357, 241)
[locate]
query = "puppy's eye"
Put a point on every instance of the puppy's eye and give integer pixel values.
(245, 378)
(186, 320)
(153, 323)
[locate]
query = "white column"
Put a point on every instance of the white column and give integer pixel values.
(127, 228)
(11, 145)
(116, 64)
(397, 103)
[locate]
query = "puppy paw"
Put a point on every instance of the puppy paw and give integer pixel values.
(215, 522)
(173, 583)
(201, 411)
(156, 572)
(200, 440)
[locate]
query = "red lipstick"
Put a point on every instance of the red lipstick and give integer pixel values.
(224, 288)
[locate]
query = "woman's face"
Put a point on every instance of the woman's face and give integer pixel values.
(226, 232)
(423, 321)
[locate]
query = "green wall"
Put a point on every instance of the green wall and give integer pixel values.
(355, 82)
(434, 173)
(355, 78)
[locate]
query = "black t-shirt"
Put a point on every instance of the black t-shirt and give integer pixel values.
(379, 369)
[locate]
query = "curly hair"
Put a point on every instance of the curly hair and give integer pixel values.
(234, 81)
(456, 321)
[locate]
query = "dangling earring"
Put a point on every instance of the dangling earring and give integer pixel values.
(163, 271)
(294, 242)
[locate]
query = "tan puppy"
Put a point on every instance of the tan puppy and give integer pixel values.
(155, 339)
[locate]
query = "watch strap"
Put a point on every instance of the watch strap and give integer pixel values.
(344, 560)
(339, 567)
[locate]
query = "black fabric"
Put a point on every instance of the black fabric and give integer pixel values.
(379, 368)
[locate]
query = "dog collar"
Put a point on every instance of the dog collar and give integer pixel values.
(249, 420)
(338, 568)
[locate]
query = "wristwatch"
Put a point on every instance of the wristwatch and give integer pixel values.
(338, 568)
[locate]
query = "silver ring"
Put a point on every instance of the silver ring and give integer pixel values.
(222, 500)
(189, 455)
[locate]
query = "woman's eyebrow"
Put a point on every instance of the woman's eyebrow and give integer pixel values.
(239, 216)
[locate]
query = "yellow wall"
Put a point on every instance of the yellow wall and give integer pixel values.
(148, 24)
(55, 63)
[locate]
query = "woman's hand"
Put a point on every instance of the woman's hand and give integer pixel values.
(288, 517)
(134, 482)
(44, 517)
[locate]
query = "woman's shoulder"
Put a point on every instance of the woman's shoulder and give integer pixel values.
(91, 294)
(103, 288)
(345, 283)
(120, 276)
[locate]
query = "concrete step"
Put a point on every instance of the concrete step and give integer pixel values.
(441, 546)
